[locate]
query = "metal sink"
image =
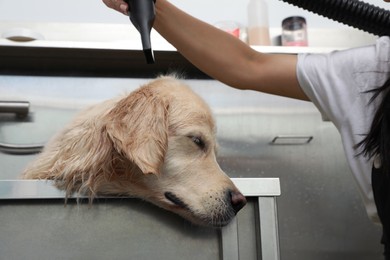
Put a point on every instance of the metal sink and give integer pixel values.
(22, 138)
(321, 212)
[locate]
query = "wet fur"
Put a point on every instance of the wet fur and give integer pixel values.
(143, 145)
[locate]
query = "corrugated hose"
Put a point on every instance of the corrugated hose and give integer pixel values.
(358, 14)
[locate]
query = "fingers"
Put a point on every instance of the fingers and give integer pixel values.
(118, 5)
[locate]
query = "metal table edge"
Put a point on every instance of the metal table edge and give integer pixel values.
(43, 189)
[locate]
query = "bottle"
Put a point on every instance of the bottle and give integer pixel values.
(294, 31)
(258, 31)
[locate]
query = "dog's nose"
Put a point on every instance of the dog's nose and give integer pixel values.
(237, 200)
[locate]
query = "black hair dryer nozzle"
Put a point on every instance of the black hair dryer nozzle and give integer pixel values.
(142, 14)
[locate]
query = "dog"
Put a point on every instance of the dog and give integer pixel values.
(158, 143)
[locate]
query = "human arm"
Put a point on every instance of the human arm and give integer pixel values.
(118, 5)
(225, 57)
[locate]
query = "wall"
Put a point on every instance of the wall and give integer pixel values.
(209, 11)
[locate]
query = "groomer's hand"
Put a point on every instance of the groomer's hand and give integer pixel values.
(118, 5)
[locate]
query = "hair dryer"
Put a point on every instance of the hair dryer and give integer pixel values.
(142, 14)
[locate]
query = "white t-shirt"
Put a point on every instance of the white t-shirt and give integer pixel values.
(335, 83)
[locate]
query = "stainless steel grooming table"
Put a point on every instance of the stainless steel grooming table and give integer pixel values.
(27, 207)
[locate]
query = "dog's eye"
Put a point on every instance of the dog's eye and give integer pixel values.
(198, 141)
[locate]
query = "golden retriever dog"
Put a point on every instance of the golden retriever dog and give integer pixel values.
(158, 143)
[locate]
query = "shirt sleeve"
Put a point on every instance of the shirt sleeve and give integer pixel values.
(336, 80)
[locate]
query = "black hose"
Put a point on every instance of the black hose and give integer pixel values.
(355, 13)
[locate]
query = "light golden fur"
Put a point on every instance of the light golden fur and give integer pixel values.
(146, 145)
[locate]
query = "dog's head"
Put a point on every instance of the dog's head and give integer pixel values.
(158, 143)
(169, 133)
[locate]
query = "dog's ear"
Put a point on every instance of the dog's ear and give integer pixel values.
(138, 128)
